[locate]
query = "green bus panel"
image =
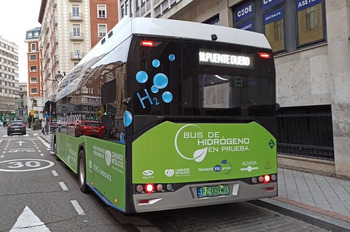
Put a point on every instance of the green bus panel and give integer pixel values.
(179, 153)
(105, 164)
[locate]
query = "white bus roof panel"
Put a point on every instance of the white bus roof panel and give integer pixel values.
(156, 27)
(200, 31)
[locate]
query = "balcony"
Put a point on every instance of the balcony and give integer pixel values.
(54, 4)
(76, 36)
(76, 17)
(77, 55)
(56, 59)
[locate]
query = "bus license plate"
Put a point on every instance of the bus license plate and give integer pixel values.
(213, 191)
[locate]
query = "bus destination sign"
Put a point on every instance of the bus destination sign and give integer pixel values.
(224, 59)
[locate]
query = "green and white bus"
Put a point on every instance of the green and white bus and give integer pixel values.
(165, 114)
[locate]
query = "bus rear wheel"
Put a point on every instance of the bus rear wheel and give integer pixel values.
(82, 172)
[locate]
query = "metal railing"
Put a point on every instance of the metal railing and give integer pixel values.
(306, 131)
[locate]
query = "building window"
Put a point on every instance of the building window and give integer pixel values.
(33, 80)
(102, 30)
(36, 34)
(101, 11)
(287, 24)
(122, 10)
(126, 7)
(274, 29)
(244, 16)
(75, 11)
(33, 47)
(310, 22)
(76, 30)
(32, 57)
(33, 91)
(29, 35)
(33, 68)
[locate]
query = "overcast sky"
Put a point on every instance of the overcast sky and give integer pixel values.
(16, 17)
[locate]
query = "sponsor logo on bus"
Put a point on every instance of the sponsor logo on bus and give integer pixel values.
(169, 172)
(108, 157)
(148, 172)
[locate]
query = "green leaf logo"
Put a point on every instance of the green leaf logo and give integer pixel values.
(200, 154)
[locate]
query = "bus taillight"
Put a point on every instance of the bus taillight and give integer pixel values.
(149, 188)
(264, 55)
(267, 179)
(147, 43)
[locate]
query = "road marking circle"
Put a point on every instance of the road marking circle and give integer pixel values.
(25, 165)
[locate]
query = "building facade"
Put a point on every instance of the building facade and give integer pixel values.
(23, 101)
(311, 45)
(35, 91)
(70, 29)
(103, 17)
(9, 78)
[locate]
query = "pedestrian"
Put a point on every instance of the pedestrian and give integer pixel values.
(43, 126)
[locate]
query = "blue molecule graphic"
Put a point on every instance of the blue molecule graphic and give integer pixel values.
(141, 77)
(154, 89)
(155, 63)
(167, 97)
(171, 57)
(160, 80)
(127, 119)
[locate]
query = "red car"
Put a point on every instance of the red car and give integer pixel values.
(89, 128)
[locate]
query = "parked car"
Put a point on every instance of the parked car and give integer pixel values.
(89, 128)
(16, 126)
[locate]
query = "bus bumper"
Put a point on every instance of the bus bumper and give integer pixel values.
(187, 196)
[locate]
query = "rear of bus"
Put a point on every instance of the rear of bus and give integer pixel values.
(202, 119)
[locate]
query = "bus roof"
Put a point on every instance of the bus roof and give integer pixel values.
(178, 29)
(156, 27)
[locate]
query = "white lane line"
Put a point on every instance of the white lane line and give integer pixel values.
(77, 207)
(63, 186)
(42, 154)
(54, 173)
(2, 156)
(39, 151)
(44, 142)
(3, 152)
(1, 140)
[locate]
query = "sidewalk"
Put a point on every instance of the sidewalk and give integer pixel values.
(316, 199)
(320, 200)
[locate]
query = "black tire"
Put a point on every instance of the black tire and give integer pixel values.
(9, 134)
(82, 172)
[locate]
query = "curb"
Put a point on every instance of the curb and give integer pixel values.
(305, 214)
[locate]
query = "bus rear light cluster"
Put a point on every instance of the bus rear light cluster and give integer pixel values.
(264, 55)
(151, 188)
(264, 179)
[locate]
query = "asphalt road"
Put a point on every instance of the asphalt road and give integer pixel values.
(39, 193)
